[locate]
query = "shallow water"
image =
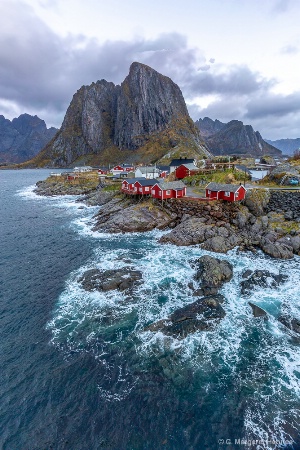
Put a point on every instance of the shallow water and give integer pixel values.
(79, 371)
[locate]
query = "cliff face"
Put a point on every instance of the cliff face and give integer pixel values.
(141, 120)
(235, 138)
(22, 138)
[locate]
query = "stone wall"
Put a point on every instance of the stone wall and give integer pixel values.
(212, 211)
(285, 202)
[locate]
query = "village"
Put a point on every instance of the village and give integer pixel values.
(185, 178)
(167, 182)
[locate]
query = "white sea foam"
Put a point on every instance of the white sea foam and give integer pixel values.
(97, 322)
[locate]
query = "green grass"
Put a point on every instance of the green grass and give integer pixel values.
(222, 176)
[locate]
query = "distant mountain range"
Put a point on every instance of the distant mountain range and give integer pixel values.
(22, 138)
(143, 120)
(234, 138)
(287, 146)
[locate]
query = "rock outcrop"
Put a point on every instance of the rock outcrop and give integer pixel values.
(202, 315)
(121, 217)
(212, 273)
(141, 120)
(122, 279)
(262, 279)
(22, 138)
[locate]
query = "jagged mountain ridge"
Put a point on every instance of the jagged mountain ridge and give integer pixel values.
(141, 120)
(234, 138)
(23, 137)
(208, 127)
(287, 146)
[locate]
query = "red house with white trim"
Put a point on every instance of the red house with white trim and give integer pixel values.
(122, 168)
(165, 190)
(128, 185)
(186, 170)
(144, 186)
(228, 192)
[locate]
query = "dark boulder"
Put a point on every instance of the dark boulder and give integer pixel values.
(291, 323)
(119, 279)
(202, 315)
(261, 278)
(212, 273)
(257, 311)
(277, 250)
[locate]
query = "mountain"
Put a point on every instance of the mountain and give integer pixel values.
(141, 120)
(22, 138)
(234, 138)
(287, 146)
(208, 126)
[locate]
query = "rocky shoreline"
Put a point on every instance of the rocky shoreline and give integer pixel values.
(261, 222)
(267, 222)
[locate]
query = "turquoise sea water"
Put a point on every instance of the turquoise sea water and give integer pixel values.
(80, 372)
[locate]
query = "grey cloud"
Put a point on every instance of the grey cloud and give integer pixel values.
(204, 68)
(274, 105)
(40, 71)
(212, 60)
(281, 6)
(290, 49)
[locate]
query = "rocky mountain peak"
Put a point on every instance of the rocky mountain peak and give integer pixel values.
(234, 138)
(141, 120)
(23, 137)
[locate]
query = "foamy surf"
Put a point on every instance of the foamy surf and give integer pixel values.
(234, 353)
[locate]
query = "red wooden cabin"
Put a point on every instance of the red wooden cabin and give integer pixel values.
(165, 190)
(122, 168)
(228, 192)
(128, 185)
(103, 171)
(186, 170)
(144, 186)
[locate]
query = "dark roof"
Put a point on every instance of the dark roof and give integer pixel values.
(126, 165)
(179, 161)
(164, 168)
(190, 166)
(145, 182)
(223, 187)
(133, 180)
(171, 185)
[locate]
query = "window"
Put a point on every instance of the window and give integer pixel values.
(140, 189)
(209, 192)
(146, 189)
(168, 192)
(159, 193)
(227, 194)
(153, 192)
(236, 194)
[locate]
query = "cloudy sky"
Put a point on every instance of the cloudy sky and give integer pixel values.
(233, 59)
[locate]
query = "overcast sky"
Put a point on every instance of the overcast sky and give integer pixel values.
(232, 59)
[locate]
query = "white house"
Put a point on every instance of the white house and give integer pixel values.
(148, 172)
(82, 169)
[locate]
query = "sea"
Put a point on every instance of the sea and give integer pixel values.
(78, 369)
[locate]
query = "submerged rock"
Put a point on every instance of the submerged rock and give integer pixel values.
(261, 278)
(120, 279)
(257, 311)
(202, 315)
(291, 323)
